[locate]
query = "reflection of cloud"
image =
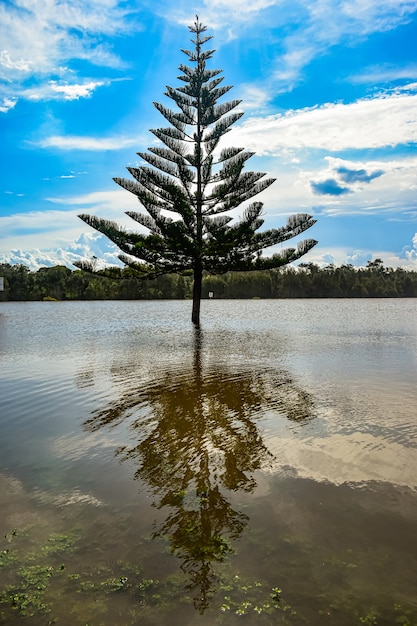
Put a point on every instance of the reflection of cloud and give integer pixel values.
(76, 497)
(66, 498)
(354, 458)
(75, 448)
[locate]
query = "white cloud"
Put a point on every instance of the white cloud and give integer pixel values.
(378, 15)
(54, 90)
(321, 24)
(386, 73)
(73, 92)
(39, 38)
(288, 67)
(375, 186)
(73, 142)
(386, 188)
(244, 6)
(8, 63)
(253, 97)
(369, 123)
(55, 228)
(409, 252)
(112, 200)
(7, 104)
(225, 16)
(359, 258)
(309, 27)
(84, 248)
(55, 237)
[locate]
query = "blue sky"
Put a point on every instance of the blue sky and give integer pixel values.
(329, 90)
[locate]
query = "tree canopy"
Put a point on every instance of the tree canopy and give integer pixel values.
(189, 185)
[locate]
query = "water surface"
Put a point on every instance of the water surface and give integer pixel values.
(263, 468)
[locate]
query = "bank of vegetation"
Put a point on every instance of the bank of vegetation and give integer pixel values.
(307, 281)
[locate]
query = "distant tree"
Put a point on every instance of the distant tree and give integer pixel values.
(17, 279)
(188, 186)
(51, 282)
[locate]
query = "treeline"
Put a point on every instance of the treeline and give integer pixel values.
(307, 281)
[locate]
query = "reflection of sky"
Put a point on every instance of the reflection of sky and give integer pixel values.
(355, 458)
(73, 447)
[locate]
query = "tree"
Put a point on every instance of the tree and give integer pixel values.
(189, 186)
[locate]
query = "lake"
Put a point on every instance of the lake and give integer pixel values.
(259, 470)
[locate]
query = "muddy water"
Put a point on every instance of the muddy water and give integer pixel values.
(263, 468)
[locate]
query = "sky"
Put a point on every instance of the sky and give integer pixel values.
(328, 87)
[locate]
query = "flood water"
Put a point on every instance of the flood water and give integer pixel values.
(260, 470)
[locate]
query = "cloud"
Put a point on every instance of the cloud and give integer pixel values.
(55, 227)
(384, 73)
(394, 192)
(217, 14)
(359, 258)
(84, 248)
(8, 63)
(377, 16)
(410, 252)
(6, 104)
(329, 187)
(377, 186)
(328, 19)
(342, 175)
(406, 259)
(372, 123)
(309, 28)
(40, 36)
(74, 142)
(319, 25)
(54, 90)
(74, 92)
(40, 39)
(114, 200)
(253, 97)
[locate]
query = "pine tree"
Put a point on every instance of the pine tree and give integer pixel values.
(189, 185)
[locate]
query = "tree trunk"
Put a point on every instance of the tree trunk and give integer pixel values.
(198, 279)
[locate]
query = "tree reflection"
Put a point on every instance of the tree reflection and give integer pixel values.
(195, 439)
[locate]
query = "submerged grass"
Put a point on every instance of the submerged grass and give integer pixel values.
(41, 581)
(48, 582)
